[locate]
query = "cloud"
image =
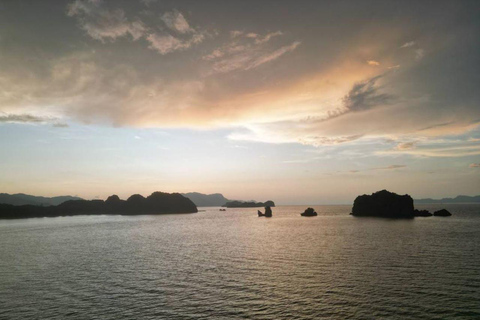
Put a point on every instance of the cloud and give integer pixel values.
(267, 37)
(176, 21)
(235, 33)
(419, 54)
(391, 167)
(272, 55)
(166, 43)
(323, 141)
(474, 165)
(437, 125)
(408, 44)
(246, 54)
(437, 148)
(101, 23)
(405, 145)
(31, 119)
(365, 95)
(373, 63)
(321, 92)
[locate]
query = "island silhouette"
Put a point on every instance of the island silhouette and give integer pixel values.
(249, 204)
(156, 203)
(388, 204)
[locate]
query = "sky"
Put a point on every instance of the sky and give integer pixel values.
(300, 102)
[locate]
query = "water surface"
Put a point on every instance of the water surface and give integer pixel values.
(234, 264)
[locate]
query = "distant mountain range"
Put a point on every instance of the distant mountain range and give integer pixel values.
(457, 199)
(206, 200)
(20, 199)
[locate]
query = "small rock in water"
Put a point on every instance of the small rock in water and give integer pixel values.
(442, 213)
(268, 212)
(422, 213)
(309, 212)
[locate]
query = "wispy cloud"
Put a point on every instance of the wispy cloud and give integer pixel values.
(419, 54)
(103, 24)
(434, 149)
(322, 141)
(406, 145)
(363, 95)
(176, 21)
(32, 119)
(166, 43)
(235, 33)
(435, 126)
(248, 52)
(391, 167)
(267, 37)
(408, 44)
(366, 95)
(373, 63)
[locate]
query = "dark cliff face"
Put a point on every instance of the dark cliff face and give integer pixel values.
(384, 204)
(156, 203)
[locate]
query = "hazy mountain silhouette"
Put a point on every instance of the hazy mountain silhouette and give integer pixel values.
(206, 200)
(156, 203)
(457, 199)
(249, 204)
(20, 199)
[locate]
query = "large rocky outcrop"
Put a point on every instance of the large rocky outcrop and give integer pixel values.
(387, 204)
(156, 203)
(383, 204)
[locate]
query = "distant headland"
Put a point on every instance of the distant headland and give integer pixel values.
(457, 199)
(249, 204)
(156, 203)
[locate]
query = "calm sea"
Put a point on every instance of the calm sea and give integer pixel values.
(233, 264)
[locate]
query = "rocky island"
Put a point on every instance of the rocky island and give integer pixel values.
(442, 213)
(156, 203)
(387, 204)
(267, 214)
(249, 204)
(309, 212)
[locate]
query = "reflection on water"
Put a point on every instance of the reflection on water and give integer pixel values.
(235, 265)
